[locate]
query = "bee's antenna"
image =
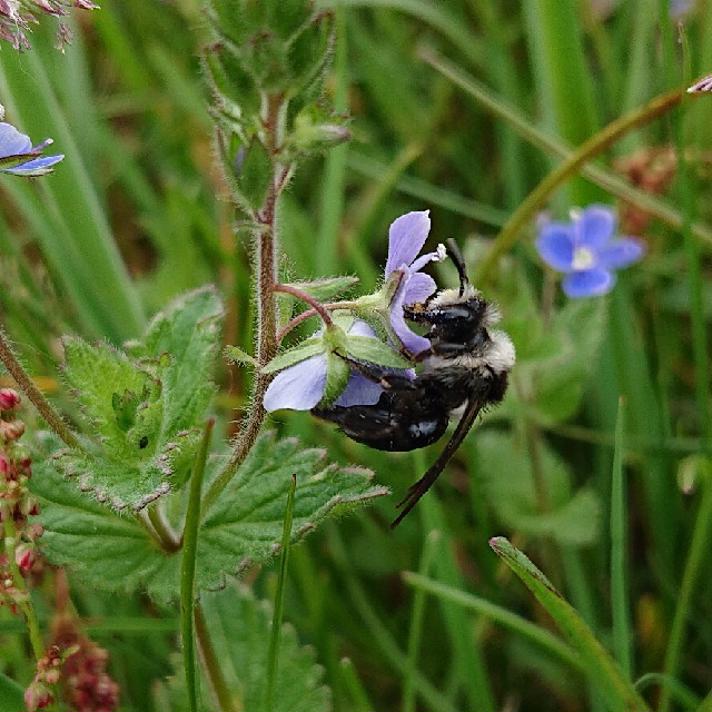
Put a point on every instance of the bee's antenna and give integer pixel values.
(456, 256)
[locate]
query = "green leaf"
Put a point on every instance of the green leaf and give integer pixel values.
(110, 390)
(324, 288)
(239, 627)
(600, 667)
(506, 472)
(185, 338)
(114, 552)
(255, 175)
(366, 348)
(307, 349)
(11, 695)
(234, 354)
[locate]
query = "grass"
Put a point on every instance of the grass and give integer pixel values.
(465, 108)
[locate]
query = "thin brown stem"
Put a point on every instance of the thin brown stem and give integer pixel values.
(34, 395)
(309, 313)
(212, 664)
(317, 306)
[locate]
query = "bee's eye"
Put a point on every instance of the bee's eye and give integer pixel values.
(143, 442)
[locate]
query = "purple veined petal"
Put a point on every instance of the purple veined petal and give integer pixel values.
(588, 283)
(620, 253)
(594, 227)
(418, 287)
(555, 245)
(12, 142)
(359, 391)
(36, 167)
(412, 342)
(362, 328)
(299, 387)
(406, 237)
(438, 256)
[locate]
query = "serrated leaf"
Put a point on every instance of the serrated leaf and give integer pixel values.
(239, 627)
(325, 288)
(114, 552)
(122, 483)
(185, 338)
(603, 672)
(110, 390)
(301, 352)
(366, 348)
(506, 472)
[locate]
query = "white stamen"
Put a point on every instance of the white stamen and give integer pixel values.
(583, 258)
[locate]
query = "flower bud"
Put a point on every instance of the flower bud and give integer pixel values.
(9, 399)
(5, 465)
(11, 430)
(38, 697)
(25, 557)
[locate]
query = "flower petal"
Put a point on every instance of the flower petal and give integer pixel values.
(418, 287)
(588, 283)
(299, 387)
(36, 167)
(12, 142)
(406, 238)
(555, 245)
(413, 343)
(362, 328)
(359, 391)
(594, 227)
(620, 253)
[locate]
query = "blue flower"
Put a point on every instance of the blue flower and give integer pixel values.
(586, 251)
(19, 157)
(302, 386)
(406, 238)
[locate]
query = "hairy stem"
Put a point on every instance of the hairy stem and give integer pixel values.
(212, 664)
(161, 528)
(317, 306)
(265, 231)
(28, 611)
(34, 395)
(309, 313)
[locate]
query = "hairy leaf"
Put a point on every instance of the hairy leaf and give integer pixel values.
(366, 348)
(324, 288)
(113, 551)
(239, 627)
(307, 349)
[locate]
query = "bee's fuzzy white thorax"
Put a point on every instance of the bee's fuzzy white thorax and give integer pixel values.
(497, 356)
(448, 297)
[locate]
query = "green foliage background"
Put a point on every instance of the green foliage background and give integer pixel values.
(134, 217)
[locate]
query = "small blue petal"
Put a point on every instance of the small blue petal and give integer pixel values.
(588, 283)
(413, 343)
(406, 238)
(299, 387)
(12, 142)
(36, 167)
(620, 253)
(359, 391)
(555, 245)
(594, 227)
(418, 288)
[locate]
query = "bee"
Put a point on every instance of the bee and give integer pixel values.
(463, 372)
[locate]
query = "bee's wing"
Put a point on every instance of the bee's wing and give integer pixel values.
(417, 490)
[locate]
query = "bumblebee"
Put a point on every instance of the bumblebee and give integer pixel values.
(464, 371)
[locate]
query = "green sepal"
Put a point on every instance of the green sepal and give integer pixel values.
(252, 172)
(307, 349)
(337, 376)
(309, 56)
(324, 288)
(234, 354)
(367, 348)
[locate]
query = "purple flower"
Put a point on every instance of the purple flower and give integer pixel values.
(301, 386)
(406, 238)
(19, 157)
(586, 251)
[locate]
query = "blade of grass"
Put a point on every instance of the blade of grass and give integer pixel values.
(598, 664)
(278, 614)
(187, 573)
(416, 622)
(688, 699)
(498, 614)
(554, 145)
(359, 698)
(619, 563)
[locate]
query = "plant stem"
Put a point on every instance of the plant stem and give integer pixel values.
(273, 651)
(212, 664)
(265, 231)
(162, 530)
(307, 314)
(33, 626)
(699, 550)
(35, 396)
(317, 306)
(598, 143)
(188, 562)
